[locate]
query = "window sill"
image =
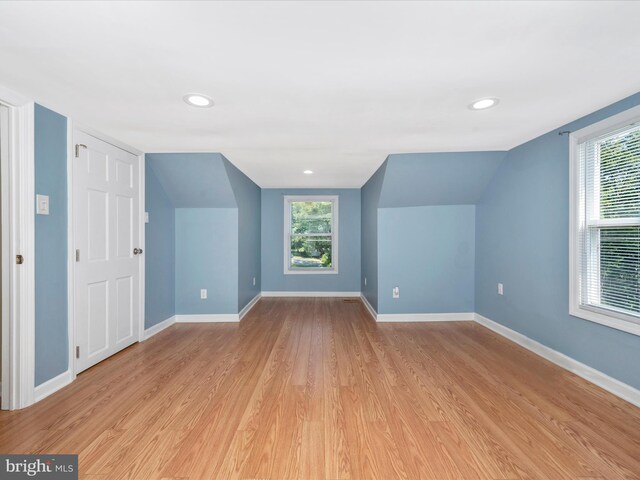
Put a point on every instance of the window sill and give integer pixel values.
(311, 272)
(609, 320)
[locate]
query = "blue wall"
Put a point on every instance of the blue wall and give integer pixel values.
(216, 235)
(423, 180)
(248, 199)
(369, 235)
(51, 327)
(159, 252)
(429, 253)
(273, 277)
(206, 257)
(522, 240)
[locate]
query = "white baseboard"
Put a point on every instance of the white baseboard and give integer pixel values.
(416, 317)
(311, 294)
(368, 306)
(208, 318)
(604, 381)
(426, 317)
(51, 386)
(200, 318)
(158, 327)
(249, 306)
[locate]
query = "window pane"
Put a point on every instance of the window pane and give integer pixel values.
(310, 252)
(620, 175)
(620, 268)
(310, 217)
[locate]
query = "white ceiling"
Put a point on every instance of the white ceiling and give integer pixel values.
(330, 86)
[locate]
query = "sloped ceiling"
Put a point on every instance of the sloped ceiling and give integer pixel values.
(193, 180)
(417, 179)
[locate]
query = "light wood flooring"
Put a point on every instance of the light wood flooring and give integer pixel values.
(315, 389)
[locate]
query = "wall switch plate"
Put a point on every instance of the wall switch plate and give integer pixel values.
(146, 217)
(203, 294)
(365, 281)
(396, 292)
(254, 281)
(500, 289)
(42, 204)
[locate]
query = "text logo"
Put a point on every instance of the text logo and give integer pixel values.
(50, 467)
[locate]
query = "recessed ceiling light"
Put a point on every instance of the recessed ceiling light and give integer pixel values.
(484, 103)
(308, 172)
(198, 100)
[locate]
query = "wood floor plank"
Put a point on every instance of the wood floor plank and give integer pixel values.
(498, 460)
(548, 417)
(313, 388)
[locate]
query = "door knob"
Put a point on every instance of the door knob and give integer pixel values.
(137, 251)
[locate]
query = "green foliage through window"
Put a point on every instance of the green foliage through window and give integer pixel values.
(311, 235)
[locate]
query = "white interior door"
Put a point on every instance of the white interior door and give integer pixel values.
(107, 292)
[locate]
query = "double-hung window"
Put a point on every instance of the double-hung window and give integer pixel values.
(311, 234)
(605, 217)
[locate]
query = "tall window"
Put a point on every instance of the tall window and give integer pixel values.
(311, 234)
(606, 217)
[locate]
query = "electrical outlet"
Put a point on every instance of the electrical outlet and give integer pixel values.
(254, 281)
(500, 289)
(203, 294)
(146, 217)
(365, 281)
(396, 292)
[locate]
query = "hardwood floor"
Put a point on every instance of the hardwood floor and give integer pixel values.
(315, 389)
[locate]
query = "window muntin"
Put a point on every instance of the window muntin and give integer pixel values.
(311, 234)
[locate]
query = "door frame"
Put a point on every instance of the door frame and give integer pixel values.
(71, 127)
(18, 287)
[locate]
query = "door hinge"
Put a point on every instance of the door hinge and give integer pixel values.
(77, 352)
(77, 255)
(19, 259)
(78, 146)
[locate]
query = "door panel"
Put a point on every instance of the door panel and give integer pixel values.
(124, 233)
(124, 287)
(97, 225)
(107, 229)
(97, 318)
(97, 164)
(124, 173)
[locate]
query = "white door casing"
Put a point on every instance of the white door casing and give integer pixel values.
(106, 224)
(18, 327)
(6, 255)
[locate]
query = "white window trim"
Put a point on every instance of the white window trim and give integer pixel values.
(288, 199)
(619, 321)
